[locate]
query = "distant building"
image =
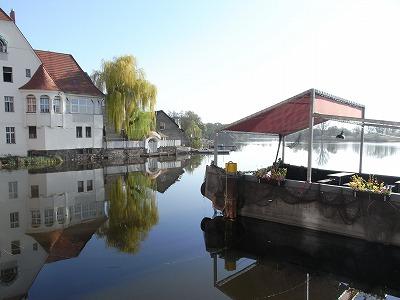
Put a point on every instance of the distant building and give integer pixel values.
(48, 102)
(169, 128)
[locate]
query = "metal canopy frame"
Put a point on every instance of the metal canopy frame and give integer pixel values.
(362, 121)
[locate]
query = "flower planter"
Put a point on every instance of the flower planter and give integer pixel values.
(371, 195)
(272, 181)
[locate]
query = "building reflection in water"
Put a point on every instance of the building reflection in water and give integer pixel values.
(294, 263)
(45, 218)
(48, 217)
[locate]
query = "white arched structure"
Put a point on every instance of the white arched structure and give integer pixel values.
(152, 142)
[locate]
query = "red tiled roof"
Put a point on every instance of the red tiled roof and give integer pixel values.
(41, 80)
(66, 74)
(4, 16)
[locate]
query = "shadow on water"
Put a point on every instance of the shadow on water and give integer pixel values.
(289, 261)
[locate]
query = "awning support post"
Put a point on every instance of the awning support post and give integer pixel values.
(362, 142)
(311, 136)
(283, 149)
(279, 146)
(216, 149)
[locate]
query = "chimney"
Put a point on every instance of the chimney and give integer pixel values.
(12, 15)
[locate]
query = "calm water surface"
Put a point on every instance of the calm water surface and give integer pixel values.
(133, 232)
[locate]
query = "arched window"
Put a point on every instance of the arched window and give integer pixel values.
(31, 104)
(57, 104)
(3, 45)
(9, 275)
(44, 104)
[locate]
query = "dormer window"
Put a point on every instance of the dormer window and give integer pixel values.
(3, 45)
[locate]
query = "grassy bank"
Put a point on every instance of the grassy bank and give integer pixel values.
(33, 162)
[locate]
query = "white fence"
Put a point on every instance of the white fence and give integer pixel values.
(124, 144)
(170, 143)
(140, 144)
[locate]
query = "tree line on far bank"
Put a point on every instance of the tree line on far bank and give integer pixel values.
(196, 131)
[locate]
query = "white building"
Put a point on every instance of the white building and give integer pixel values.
(49, 102)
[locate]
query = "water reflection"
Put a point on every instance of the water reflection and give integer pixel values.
(294, 263)
(50, 217)
(45, 218)
(132, 211)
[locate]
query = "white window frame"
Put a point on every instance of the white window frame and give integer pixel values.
(14, 219)
(3, 45)
(57, 105)
(9, 104)
(13, 189)
(61, 215)
(31, 104)
(36, 218)
(10, 135)
(44, 104)
(49, 217)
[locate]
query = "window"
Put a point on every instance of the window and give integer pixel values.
(3, 45)
(98, 107)
(89, 185)
(14, 220)
(44, 104)
(78, 131)
(36, 220)
(13, 190)
(60, 215)
(88, 132)
(57, 104)
(162, 125)
(7, 74)
(74, 106)
(35, 246)
(31, 104)
(9, 275)
(10, 135)
(15, 247)
(34, 191)
(9, 103)
(48, 217)
(82, 106)
(80, 186)
(32, 132)
(28, 73)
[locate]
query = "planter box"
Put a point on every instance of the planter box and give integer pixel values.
(272, 181)
(371, 195)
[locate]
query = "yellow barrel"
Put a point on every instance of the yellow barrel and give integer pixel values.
(230, 265)
(231, 167)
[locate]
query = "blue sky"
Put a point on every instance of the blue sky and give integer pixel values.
(227, 59)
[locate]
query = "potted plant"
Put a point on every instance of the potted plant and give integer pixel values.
(370, 187)
(274, 174)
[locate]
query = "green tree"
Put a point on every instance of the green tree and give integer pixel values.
(130, 98)
(194, 134)
(132, 213)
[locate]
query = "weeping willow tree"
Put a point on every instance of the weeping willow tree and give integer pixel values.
(130, 98)
(133, 212)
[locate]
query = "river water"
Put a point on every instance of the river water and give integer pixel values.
(133, 232)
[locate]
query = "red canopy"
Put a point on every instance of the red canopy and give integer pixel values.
(294, 114)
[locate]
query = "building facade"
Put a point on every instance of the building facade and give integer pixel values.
(169, 128)
(48, 102)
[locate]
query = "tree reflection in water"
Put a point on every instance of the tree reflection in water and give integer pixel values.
(193, 163)
(132, 212)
